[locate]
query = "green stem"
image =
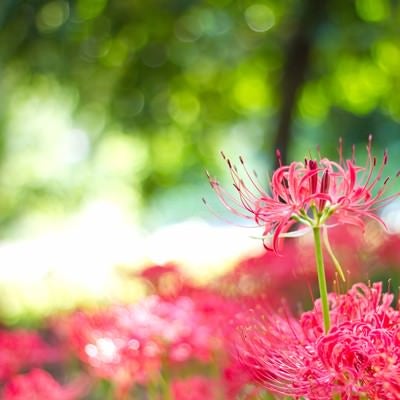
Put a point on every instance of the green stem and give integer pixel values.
(323, 291)
(152, 391)
(165, 387)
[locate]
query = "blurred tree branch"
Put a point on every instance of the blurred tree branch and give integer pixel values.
(297, 64)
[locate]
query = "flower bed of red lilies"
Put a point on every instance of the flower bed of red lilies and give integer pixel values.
(229, 340)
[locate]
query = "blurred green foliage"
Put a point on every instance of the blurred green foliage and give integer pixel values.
(134, 99)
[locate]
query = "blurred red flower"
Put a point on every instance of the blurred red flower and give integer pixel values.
(40, 385)
(22, 348)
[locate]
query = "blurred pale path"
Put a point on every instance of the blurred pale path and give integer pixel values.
(84, 259)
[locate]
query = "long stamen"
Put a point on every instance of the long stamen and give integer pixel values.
(252, 180)
(340, 151)
(225, 220)
(332, 255)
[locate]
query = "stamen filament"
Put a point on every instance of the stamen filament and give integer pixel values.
(332, 255)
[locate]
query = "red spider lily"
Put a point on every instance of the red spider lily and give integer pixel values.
(358, 358)
(39, 384)
(310, 193)
(22, 348)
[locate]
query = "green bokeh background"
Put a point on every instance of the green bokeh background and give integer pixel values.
(132, 100)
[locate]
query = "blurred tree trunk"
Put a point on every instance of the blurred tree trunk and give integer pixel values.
(297, 64)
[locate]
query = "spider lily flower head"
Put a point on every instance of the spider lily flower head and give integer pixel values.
(359, 357)
(308, 193)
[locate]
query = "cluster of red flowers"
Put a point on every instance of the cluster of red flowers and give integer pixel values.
(142, 348)
(130, 344)
(190, 334)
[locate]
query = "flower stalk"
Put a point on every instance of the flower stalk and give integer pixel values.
(323, 291)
